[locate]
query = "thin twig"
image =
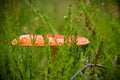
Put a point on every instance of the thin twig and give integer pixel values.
(81, 71)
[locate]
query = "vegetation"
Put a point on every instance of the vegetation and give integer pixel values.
(96, 20)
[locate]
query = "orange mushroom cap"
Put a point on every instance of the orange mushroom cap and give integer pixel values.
(14, 42)
(81, 40)
(51, 40)
(39, 40)
(26, 40)
(57, 39)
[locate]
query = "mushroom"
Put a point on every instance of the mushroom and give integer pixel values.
(52, 41)
(56, 40)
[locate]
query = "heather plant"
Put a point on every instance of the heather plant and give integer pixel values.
(96, 20)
